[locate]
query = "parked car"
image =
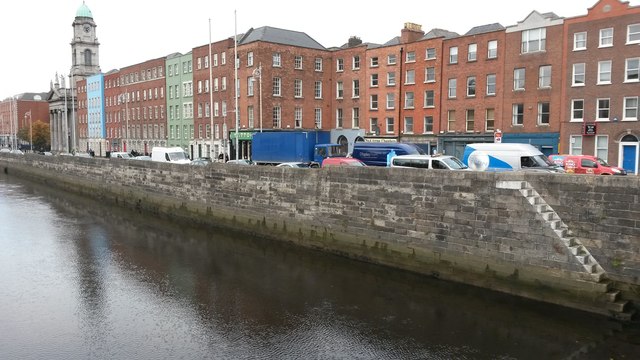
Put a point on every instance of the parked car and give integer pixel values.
(142, 157)
(341, 161)
(17, 152)
(446, 162)
(200, 162)
(240, 162)
(586, 164)
(5, 150)
(298, 165)
(119, 155)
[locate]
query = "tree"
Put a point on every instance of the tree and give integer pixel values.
(41, 135)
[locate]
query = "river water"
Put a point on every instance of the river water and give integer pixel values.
(84, 280)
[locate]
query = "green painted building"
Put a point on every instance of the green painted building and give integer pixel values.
(179, 77)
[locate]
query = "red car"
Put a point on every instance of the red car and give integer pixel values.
(341, 161)
(586, 164)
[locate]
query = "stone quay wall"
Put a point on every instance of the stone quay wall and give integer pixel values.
(458, 226)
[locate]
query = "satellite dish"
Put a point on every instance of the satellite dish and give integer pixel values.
(478, 161)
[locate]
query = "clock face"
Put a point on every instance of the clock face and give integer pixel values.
(87, 28)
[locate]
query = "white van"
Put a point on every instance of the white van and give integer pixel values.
(170, 154)
(445, 162)
(506, 157)
(119, 155)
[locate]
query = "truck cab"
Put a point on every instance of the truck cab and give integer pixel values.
(323, 151)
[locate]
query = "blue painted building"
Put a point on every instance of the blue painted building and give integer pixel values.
(96, 129)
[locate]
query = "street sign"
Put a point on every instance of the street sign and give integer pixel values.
(497, 136)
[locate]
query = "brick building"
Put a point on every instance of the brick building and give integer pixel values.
(471, 97)
(601, 86)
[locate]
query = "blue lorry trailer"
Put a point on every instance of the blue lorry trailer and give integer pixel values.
(276, 147)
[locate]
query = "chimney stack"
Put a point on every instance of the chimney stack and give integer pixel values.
(411, 33)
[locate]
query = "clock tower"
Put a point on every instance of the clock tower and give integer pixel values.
(84, 46)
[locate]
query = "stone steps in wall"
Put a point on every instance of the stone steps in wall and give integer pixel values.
(618, 308)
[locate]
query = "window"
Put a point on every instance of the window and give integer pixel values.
(517, 114)
(606, 37)
(604, 72)
(250, 118)
(575, 145)
(317, 89)
(430, 74)
(356, 62)
(544, 77)
(339, 118)
(340, 65)
(318, 64)
(430, 54)
(470, 122)
(518, 79)
(472, 54)
(355, 89)
(602, 147)
(451, 120)
(543, 113)
(297, 62)
(429, 99)
(410, 56)
(277, 117)
(374, 80)
(491, 84)
(452, 88)
(471, 86)
(223, 58)
(391, 59)
(250, 58)
(408, 100)
(410, 77)
(374, 61)
(580, 41)
(277, 86)
(297, 117)
(577, 110)
(297, 88)
(390, 125)
(373, 126)
(373, 102)
(391, 101)
(453, 55)
(317, 114)
(492, 49)
(533, 40)
(603, 110)
(408, 125)
(633, 34)
(391, 78)
(250, 83)
(339, 90)
(578, 74)
(277, 60)
(489, 119)
(632, 70)
(223, 83)
(630, 108)
(428, 124)
(355, 118)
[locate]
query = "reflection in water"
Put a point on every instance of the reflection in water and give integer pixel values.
(84, 280)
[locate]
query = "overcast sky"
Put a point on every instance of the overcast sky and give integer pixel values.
(36, 34)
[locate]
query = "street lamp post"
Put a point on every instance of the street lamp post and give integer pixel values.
(257, 73)
(30, 128)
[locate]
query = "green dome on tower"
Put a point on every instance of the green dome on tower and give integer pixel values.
(83, 11)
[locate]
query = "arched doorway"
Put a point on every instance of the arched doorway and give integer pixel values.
(344, 144)
(628, 154)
